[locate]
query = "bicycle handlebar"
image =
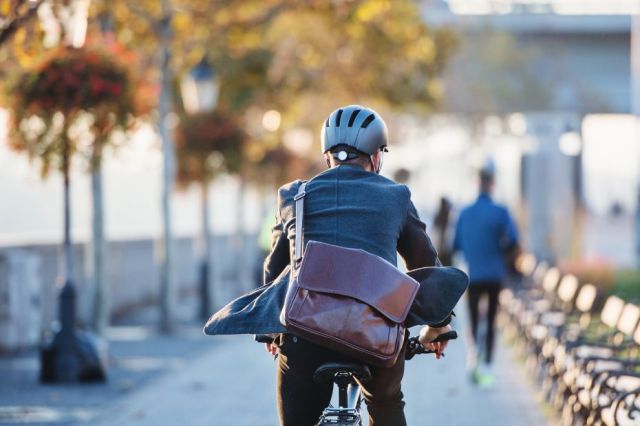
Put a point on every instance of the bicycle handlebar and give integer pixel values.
(414, 347)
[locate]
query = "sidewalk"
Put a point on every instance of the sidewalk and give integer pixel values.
(137, 355)
(191, 379)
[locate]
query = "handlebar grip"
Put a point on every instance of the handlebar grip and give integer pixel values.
(449, 335)
(263, 338)
(414, 347)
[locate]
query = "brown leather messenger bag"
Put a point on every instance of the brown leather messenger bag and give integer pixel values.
(346, 299)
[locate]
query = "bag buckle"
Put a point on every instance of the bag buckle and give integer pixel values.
(299, 195)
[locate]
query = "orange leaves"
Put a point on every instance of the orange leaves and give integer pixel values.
(70, 90)
(205, 137)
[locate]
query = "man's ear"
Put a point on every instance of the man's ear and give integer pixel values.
(376, 161)
(326, 159)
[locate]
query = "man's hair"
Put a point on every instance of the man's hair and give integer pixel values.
(486, 179)
(353, 156)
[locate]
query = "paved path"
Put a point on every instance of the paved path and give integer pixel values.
(190, 379)
(233, 384)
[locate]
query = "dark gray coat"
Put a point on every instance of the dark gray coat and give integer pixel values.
(349, 207)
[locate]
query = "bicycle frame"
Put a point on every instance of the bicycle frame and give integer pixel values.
(350, 394)
(349, 403)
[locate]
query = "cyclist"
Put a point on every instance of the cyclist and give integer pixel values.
(349, 205)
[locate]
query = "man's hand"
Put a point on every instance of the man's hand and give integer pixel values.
(271, 348)
(429, 334)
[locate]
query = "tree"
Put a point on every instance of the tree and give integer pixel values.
(74, 100)
(300, 57)
(145, 95)
(494, 73)
(14, 14)
(207, 144)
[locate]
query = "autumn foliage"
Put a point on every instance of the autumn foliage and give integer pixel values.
(208, 143)
(70, 85)
(77, 79)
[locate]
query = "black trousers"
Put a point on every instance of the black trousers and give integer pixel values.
(475, 292)
(301, 400)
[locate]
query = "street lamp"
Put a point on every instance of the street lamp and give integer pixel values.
(200, 89)
(570, 143)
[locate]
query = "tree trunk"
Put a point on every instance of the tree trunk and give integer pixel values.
(206, 292)
(68, 252)
(165, 109)
(100, 313)
(241, 264)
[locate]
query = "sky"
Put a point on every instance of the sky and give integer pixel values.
(31, 208)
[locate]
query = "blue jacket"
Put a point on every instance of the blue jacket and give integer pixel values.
(484, 233)
(349, 207)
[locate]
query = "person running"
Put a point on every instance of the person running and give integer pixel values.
(352, 206)
(485, 233)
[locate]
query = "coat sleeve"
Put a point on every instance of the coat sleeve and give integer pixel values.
(414, 245)
(509, 237)
(279, 256)
(457, 238)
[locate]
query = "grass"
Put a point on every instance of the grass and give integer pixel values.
(626, 284)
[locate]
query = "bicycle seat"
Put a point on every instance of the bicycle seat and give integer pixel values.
(326, 372)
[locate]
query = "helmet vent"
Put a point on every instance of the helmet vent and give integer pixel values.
(338, 117)
(368, 121)
(353, 117)
(326, 123)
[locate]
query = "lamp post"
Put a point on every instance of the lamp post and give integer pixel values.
(200, 89)
(70, 355)
(570, 144)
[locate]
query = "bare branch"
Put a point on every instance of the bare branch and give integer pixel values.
(267, 16)
(8, 30)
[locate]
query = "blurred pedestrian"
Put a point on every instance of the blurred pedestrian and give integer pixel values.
(638, 231)
(441, 223)
(264, 244)
(485, 234)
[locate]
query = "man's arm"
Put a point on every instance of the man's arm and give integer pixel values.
(278, 258)
(510, 232)
(414, 245)
(457, 238)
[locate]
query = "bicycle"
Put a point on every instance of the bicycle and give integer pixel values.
(346, 377)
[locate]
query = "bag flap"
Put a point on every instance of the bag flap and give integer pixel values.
(440, 290)
(358, 274)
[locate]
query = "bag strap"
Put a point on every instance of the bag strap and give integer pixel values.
(299, 199)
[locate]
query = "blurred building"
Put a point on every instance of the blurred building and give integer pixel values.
(535, 60)
(548, 97)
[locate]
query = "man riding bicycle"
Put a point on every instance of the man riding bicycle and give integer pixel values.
(348, 205)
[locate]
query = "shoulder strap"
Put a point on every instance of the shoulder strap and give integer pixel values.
(299, 199)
